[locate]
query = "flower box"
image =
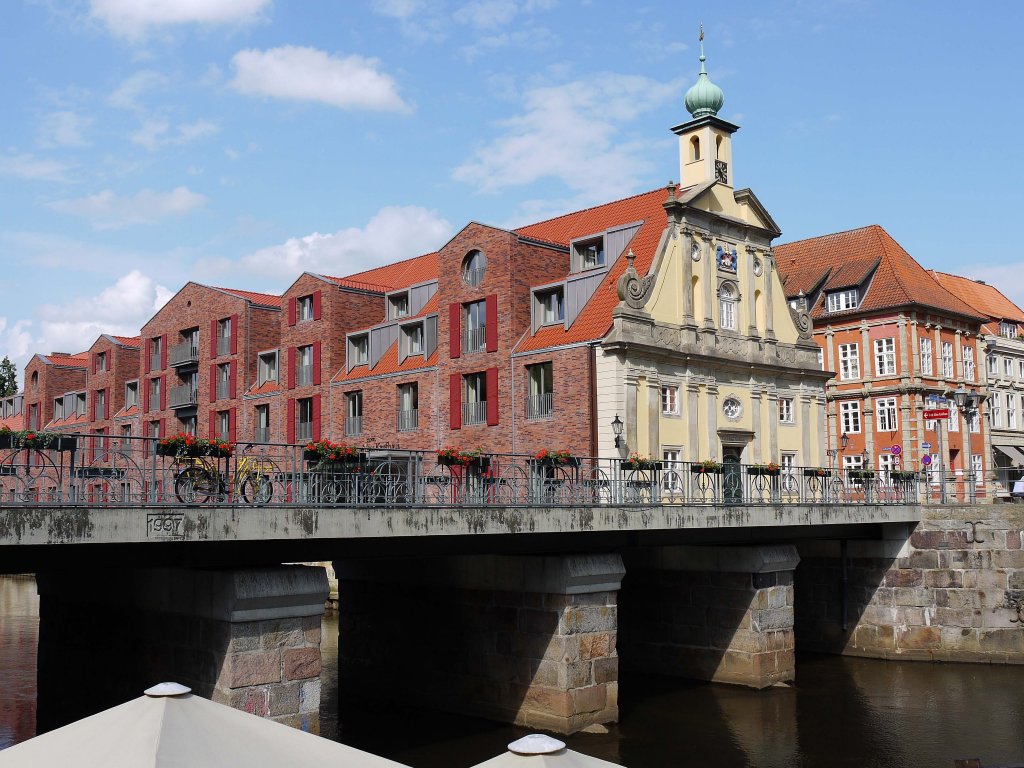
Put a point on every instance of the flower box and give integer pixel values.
(817, 473)
(903, 475)
(763, 471)
(860, 474)
(481, 462)
(701, 469)
(191, 451)
(550, 461)
(640, 466)
(315, 457)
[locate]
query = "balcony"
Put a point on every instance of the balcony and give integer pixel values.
(353, 426)
(261, 435)
(408, 420)
(304, 431)
(156, 362)
(186, 353)
(474, 413)
(223, 345)
(303, 375)
(474, 340)
(223, 390)
(539, 406)
(182, 397)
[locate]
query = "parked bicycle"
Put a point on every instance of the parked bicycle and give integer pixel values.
(199, 479)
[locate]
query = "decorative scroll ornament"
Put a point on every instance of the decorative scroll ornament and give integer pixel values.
(633, 289)
(802, 321)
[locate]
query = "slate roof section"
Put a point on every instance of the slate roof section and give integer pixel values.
(869, 258)
(985, 299)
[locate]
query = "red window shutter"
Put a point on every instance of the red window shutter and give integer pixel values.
(213, 382)
(213, 423)
(231, 425)
(94, 365)
(455, 401)
(454, 331)
(292, 311)
(491, 310)
(316, 417)
(163, 393)
(316, 362)
(213, 339)
(145, 395)
(232, 379)
(234, 334)
(291, 421)
(92, 407)
(316, 304)
(492, 395)
(147, 353)
(106, 403)
(291, 368)
(160, 431)
(163, 353)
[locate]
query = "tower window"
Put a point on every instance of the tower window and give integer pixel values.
(694, 149)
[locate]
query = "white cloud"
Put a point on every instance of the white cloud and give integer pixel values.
(397, 9)
(27, 166)
(107, 210)
(63, 129)
(392, 234)
(307, 74)
(133, 19)
(155, 133)
(131, 89)
(119, 309)
(492, 14)
(569, 132)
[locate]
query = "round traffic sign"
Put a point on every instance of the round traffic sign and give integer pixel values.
(926, 460)
(896, 450)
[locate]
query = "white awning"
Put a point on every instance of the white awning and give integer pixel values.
(1014, 453)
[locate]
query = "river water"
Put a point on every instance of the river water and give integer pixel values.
(842, 712)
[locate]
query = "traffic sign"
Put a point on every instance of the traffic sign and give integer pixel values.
(936, 413)
(926, 446)
(896, 450)
(926, 460)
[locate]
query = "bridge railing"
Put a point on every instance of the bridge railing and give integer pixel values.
(122, 471)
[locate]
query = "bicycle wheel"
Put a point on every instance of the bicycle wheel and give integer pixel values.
(193, 485)
(257, 490)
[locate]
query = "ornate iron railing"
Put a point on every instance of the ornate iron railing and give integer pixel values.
(122, 471)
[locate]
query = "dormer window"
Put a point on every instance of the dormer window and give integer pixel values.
(79, 404)
(1008, 330)
(131, 394)
(590, 253)
(413, 339)
(552, 307)
(399, 305)
(101, 362)
(840, 301)
(58, 408)
(359, 349)
(268, 367)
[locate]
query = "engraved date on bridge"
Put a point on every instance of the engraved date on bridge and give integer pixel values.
(165, 525)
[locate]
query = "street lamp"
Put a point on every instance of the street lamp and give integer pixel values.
(617, 430)
(844, 440)
(968, 402)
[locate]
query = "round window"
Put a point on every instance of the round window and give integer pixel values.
(732, 409)
(473, 267)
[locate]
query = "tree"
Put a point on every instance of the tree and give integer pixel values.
(8, 377)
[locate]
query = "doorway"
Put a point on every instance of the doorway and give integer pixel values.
(732, 474)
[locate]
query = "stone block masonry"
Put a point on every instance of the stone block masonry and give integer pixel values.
(945, 590)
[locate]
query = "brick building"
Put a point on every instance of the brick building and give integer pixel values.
(48, 379)
(112, 386)
(896, 340)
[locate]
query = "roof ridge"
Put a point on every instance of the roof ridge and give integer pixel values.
(833, 234)
(589, 208)
(382, 266)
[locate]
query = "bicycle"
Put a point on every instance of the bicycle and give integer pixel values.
(199, 480)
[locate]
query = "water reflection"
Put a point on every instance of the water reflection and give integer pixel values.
(842, 713)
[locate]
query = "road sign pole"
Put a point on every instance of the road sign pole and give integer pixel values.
(942, 461)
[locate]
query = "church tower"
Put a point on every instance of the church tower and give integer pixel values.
(705, 142)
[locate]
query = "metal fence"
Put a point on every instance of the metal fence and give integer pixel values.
(122, 471)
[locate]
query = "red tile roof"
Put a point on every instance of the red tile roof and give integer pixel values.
(983, 298)
(126, 412)
(77, 360)
(266, 388)
(15, 423)
(388, 363)
(135, 342)
(390, 277)
(846, 259)
(263, 299)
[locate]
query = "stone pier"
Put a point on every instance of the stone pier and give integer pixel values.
(249, 638)
(723, 614)
(529, 640)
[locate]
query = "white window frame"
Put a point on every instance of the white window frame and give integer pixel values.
(953, 422)
(727, 301)
(131, 393)
(551, 305)
(886, 414)
(850, 417)
(969, 368)
(672, 459)
(996, 411)
(849, 361)
(978, 470)
(1008, 330)
(265, 368)
(1008, 367)
(670, 399)
(927, 365)
(1011, 410)
(885, 356)
(359, 349)
(787, 414)
(840, 301)
(947, 360)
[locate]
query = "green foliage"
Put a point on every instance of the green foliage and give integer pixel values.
(8, 377)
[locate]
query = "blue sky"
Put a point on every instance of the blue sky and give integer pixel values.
(145, 143)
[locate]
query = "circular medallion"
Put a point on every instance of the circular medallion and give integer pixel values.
(757, 267)
(732, 409)
(695, 252)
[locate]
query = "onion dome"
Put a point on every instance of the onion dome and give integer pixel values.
(704, 97)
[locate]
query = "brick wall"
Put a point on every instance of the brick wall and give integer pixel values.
(53, 381)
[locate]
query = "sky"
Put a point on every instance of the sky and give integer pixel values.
(146, 143)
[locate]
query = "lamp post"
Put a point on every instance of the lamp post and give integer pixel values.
(844, 439)
(968, 402)
(617, 430)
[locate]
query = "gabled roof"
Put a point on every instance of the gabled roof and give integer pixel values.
(868, 258)
(132, 342)
(260, 299)
(390, 277)
(983, 298)
(64, 360)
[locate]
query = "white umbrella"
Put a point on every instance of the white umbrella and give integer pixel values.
(539, 751)
(171, 728)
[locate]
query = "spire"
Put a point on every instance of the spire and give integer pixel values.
(704, 97)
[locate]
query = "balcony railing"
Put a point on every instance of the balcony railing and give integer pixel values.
(304, 431)
(261, 435)
(538, 406)
(474, 339)
(474, 413)
(223, 345)
(185, 353)
(223, 390)
(182, 397)
(353, 426)
(303, 375)
(156, 362)
(408, 420)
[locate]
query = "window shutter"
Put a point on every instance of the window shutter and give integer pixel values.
(316, 417)
(163, 353)
(234, 334)
(491, 310)
(213, 382)
(231, 425)
(92, 407)
(161, 432)
(292, 310)
(454, 331)
(147, 354)
(94, 364)
(316, 362)
(492, 394)
(316, 304)
(213, 339)
(291, 367)
(291, 421)
(232, 379)
(455, 400)
(106, 403)
(213, 423)
(145, 395)
(163, 393)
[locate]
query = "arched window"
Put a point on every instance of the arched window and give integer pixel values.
(718, 147)
(35, 379)
(473, 267)
(694, 149)
(727, 307)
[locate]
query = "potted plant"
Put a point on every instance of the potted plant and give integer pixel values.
(180, 444)
(551, 458)
(40, 441)
(638, 462)
(456, 457)
(706, 467)
(903, 475)
(817, 472)
(860, 474)
(325, 452)
(771, 469)
(217, 448)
